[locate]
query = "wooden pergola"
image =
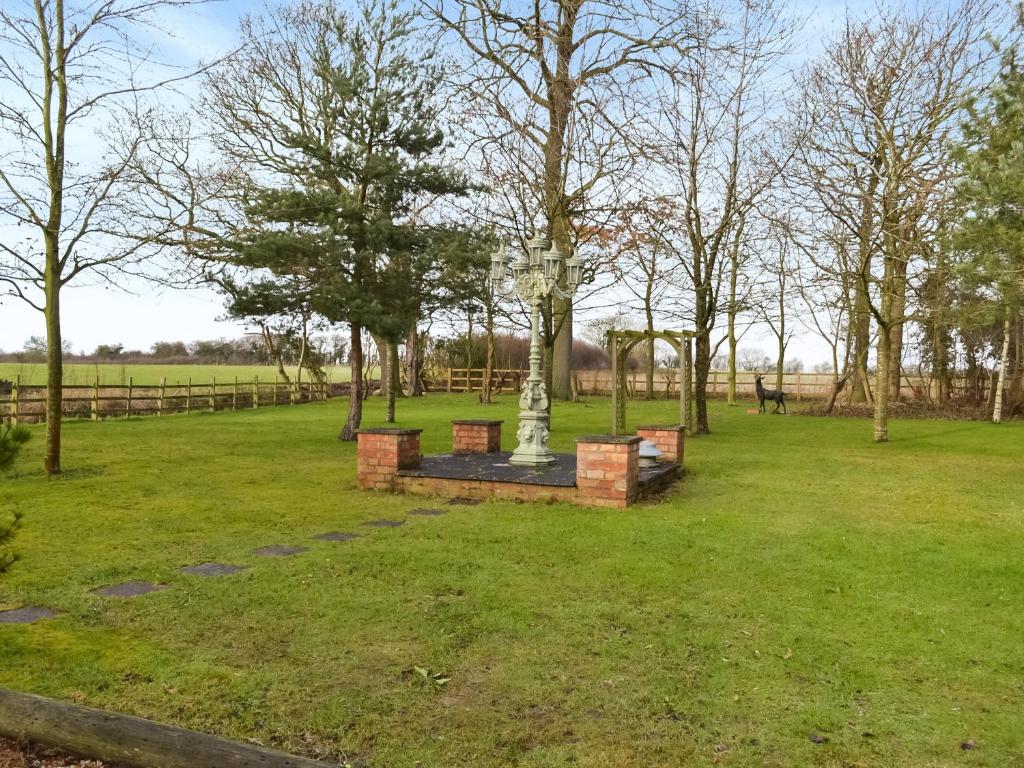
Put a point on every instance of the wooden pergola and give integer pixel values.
(621, 343)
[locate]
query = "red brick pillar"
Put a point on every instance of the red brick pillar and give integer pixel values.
(476, 436)
(380, 453)
(669, 440)
(607, 470)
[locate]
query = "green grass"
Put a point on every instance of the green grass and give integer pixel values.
(34, 374)
(799, 580)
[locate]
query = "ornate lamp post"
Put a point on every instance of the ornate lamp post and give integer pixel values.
(535, 276)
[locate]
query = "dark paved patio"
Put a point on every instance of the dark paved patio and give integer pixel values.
(494, 467)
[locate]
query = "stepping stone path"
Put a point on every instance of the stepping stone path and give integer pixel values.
(129, 589)
(26, 615)
(211, 569)
(30, 613)
(335, 536)
(463, 501)
(278, 550)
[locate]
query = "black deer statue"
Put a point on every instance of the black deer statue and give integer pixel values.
(776, 396)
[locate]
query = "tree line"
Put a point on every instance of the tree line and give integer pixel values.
(354, 165)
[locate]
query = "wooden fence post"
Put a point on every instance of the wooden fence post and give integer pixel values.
(449, 380)
(128, 402)
(234, 396)
(14, 400)
(213, 394)
(94, 413)
(188, 396)
(799, 387)
(256, 392)
(160, 402)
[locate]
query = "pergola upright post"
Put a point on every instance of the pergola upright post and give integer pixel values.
(684, 374)
(618, 406)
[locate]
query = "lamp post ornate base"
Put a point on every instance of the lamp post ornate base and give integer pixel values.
(532, 450)
(536, 275)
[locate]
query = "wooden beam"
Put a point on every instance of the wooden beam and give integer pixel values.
(130, 741)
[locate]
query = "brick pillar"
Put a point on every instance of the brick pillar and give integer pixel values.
(669, 440)
(607, 470)
(380, 453)
(476, 436)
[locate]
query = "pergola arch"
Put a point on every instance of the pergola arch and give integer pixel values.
(621, 343)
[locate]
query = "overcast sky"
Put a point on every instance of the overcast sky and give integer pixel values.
(140, 314)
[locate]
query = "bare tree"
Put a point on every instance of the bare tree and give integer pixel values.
(74, 83)
(719, 155)
(640, 267)
(548, 84)
(880, 106)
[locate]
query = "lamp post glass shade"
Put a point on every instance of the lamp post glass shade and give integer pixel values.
(573, 272)
(535, 247)
(553, 264)
(535, 277)
(499, 267)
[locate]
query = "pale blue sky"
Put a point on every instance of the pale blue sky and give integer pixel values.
(143, 314)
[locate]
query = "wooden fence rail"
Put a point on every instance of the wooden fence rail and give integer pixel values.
(100, 401)
(798, 386)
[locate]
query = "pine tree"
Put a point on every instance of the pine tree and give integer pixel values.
(335, 211)
(991, 233)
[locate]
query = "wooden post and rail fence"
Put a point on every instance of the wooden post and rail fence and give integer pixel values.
(804, 385)
(27, 403)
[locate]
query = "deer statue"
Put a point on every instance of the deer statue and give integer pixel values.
(776, 396)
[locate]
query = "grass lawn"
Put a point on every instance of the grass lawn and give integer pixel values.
(800, 580)
(115, 373)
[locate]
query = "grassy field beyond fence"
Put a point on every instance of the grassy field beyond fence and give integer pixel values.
(803, 598)
(32, 374)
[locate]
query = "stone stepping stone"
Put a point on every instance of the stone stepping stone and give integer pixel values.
(129, 589)
(385, 523)
(211, 569)
(428, 512)
(26, 615)
(463, 501)
(278, 550)
(335, 536)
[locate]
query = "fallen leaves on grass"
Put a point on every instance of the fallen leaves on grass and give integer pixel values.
(437, 678)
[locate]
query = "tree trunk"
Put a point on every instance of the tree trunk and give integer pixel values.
(355, 398)
(859, 387)
(780, 365)
(731, 333)
(997, 400)
(899, 308)
(391, 382)
(561, 379)
(649, 393)
(489, 360)
(413, 380)
(54, 366)
(702, 366)
(882, 388)
(274, 351)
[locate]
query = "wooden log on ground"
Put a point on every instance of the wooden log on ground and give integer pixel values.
(129, 741)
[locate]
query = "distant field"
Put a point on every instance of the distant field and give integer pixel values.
(141, 373)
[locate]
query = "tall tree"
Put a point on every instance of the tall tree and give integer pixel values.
(718, 155)
(328, 126)
(879, 106)
(549, 81)
(991, 231)
(73, 93)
